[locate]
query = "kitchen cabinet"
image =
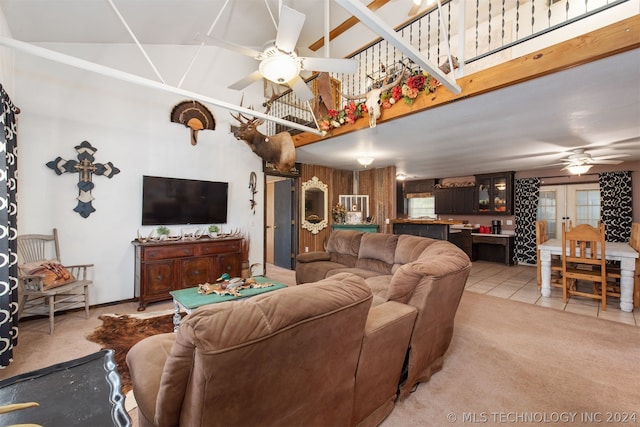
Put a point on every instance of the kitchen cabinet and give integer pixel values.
(493, 248)
(455, 200)
(418, 186)
(462, 239)
(161, 267)
(495, 193)
(432, 230)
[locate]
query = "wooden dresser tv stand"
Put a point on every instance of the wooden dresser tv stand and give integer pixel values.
(161, 267)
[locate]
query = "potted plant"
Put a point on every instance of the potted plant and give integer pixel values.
(163, 232)
(213, 230)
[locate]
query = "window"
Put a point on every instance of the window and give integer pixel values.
(587, 207)
(420, 207)
(548, 210)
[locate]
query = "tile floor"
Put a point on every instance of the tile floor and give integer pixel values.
(519, 283)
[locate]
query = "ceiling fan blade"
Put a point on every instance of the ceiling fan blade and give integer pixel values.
(301, 89)
(605, 162)
(233, 47)
(415, 8)
(246, 81)
(335, 65)
(612, 156)
(289, 27)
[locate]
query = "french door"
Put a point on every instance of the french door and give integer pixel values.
(579, 203)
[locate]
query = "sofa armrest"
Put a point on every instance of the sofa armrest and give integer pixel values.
(146, 361)
(384, 347)
(313, 256)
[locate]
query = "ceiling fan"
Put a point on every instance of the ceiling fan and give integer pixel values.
(581, 161)
(279, 62)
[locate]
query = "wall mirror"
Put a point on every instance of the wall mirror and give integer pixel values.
(315, 205)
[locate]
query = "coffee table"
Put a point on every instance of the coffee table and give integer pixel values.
(189, 299)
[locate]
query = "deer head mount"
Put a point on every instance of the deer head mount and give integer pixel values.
(276, 149)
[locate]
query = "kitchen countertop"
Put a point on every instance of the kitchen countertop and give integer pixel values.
(494, 235)
(425, 221)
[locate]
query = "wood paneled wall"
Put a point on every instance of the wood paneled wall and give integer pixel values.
(379, 184)
(338, 182)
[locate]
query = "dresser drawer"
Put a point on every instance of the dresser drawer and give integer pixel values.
(218, 248)
(167, 252)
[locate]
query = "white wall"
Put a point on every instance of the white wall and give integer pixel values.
(6, 58)
(130, 126)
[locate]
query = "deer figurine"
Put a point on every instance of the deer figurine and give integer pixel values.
(275, 149)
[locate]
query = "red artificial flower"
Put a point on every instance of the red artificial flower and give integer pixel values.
(416, 82)
(396, 92)
(333, 113)
(386, 104)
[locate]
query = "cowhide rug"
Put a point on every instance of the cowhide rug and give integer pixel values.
(121, 332)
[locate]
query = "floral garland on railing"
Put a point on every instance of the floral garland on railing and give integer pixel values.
(407, 90)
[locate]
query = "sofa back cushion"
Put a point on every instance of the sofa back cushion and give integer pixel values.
(409, 249)
(274, 347)
(377, 252)
(437, 259)
(343, 245)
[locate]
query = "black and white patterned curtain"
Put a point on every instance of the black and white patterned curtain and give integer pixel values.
(527, 193)
(616, 201)
(8, 229)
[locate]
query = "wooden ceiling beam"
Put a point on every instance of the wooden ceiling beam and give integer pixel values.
(374, 5)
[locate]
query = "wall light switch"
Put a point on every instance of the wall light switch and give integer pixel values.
(306, 248)
(509, 222)
(386, 221)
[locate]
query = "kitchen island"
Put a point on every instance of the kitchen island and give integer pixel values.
(434, 228)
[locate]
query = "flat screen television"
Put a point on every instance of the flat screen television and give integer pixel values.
(172, 201)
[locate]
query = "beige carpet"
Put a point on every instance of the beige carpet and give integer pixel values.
(510, 363)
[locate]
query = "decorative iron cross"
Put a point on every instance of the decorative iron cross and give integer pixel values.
(86, 168)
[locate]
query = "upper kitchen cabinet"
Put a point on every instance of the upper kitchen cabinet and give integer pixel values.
(495, 193)
(455, 200)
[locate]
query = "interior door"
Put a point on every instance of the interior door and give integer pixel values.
(578, 203)
(283, 223)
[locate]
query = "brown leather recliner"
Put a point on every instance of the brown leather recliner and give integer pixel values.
(315, 355)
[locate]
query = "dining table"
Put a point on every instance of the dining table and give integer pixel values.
(615, 251)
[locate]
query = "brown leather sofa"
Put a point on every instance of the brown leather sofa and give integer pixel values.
(316, 355)
(424, 273)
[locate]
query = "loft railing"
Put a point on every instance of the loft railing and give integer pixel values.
(481, 34)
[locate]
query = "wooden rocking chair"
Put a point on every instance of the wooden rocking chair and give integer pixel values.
(39, 253)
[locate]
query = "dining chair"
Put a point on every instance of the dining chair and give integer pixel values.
(583, 259)
(46, 286)
(542, 235)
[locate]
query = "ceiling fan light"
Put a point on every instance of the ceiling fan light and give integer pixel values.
(279, 68)
(365, 161)
(578, 169)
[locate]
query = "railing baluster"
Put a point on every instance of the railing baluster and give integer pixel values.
(427, 35)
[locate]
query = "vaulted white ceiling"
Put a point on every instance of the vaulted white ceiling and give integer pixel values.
(525, 126)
